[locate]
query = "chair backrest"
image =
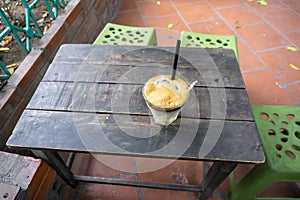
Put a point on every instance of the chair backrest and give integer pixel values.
(115, 34)
(279, 131)
(190, 39)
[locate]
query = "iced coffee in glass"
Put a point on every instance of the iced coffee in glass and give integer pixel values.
(165, 97)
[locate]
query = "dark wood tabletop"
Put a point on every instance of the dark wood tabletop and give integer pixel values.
(90, 100)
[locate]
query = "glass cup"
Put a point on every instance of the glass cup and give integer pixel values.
(165, 98)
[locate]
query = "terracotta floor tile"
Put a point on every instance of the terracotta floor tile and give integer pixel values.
(131, 18)
(178, 2)
(150, 9)
(294, 37)
(262, 89)
(81, 163)
(216, 27)
(167, 37)
(292, 4)
(150, 194)
(221, 3)
(247, 59)
(283, 20)
(110, 192)
(278, 61)
(295, 89)
(241, 14)
(261, 36)
(163, 22)
(127, 5)
(180, 172)
(271, 6)
(109, 166)
(190, 12)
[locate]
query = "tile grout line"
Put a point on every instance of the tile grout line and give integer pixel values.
(292, 31)
(158, 17)
(250, 49)
(203, 20)
(292, 82)
(180, 16)
(141, 14)
(252, 70)
(287, 7)
(271, 49)
(136, 177)
(267, 67)
(276, 29)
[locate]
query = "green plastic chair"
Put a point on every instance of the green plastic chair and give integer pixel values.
(279, 131)
(190, 39)
(114, 34)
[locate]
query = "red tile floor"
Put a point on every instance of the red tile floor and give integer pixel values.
(263, 35)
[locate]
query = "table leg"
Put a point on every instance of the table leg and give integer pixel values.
(56, 162)
(214, 177)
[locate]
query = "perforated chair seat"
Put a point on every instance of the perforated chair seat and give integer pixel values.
(115, 34)
(279, 131)
(190, 39)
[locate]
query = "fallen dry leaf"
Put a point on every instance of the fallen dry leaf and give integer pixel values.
(237, 24)
(45, 14)
(294, 67)
(293, 49)
(170, 26)
(262, 2)
(46, 28)
(4, 49)
(11, 70)
(6, 40)
(14, 65)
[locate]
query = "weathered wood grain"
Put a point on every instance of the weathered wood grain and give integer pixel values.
(205, 103)
(129, 74)
(90, 100)
(138, 55)
(103, 133)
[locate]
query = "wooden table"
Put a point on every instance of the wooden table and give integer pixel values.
(90, 101)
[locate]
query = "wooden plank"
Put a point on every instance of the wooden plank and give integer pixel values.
(138, 55)
(205, 103)
(106, 133)
(207, 76)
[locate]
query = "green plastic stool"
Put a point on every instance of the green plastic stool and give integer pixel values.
(279, 131)
(115, 34)
(190, 39)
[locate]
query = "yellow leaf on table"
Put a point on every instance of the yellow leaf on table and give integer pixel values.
(293, 49)
(262, 2)
(170, 26)
(294, 67)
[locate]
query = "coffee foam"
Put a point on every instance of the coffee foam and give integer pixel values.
(163, 92)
